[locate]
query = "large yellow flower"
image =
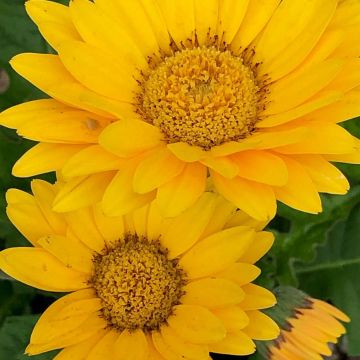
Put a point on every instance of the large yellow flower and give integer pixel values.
(153, 97)
(143, 286)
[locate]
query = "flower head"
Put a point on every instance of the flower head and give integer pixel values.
(152, 99)
(307, 326)
(142, 284)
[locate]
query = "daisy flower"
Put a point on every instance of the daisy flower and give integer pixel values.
(142, 286)
(160, 98)
(307, 327)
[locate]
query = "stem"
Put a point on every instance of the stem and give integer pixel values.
(332, 265)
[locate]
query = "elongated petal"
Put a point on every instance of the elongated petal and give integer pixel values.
(225, 166)
(83, 191)
(233, 317)
(202, 210)
(237, 343)
(261, 326)
(104, 349)
(43, 158)
(155, 170)
(257, 200)
(308, 199)
(241, 273)
(161, 349)
(92, 159)
(181, 192)
(37, 268)
(53, 20)
(262, 243)
(196, 324)
(132, 346)
(70, 251)
(261, 166)
(212, 293)
(186, 152)
(203, 259)
(130, 137)
(257, 297)
(206, 17)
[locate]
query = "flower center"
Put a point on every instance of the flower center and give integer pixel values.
(138, 284)
(201, 96)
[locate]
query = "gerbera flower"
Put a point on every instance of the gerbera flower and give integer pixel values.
(142, 286)
(152, 98)
(307, 327)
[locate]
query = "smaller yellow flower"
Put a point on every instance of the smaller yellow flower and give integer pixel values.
(305, 333)
(142, 286)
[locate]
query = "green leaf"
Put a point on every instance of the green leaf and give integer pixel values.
(333, 275)
(15, 334)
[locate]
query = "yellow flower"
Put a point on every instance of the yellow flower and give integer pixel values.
(153, 98)
(142, 286)
(308, 328)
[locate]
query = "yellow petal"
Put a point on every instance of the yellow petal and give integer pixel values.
(308, 198)
(212, 293)
(225, 166)
(161, 349)
(37, 268)
(261, 166)
(26, 215)
(43, 158)
(139, 220)
(298, 87)
(257, 15)
(196, 324)
(85, 330)
(130, 137)
(155, 170)
(70, 251)
(68, 127)
(86, 16)
(262, 243)
(131, 345)
(231, 14)
(257, 297)
(237, 343)
(241, 218)
(332, 310)
(241, 273)
(44, 195)
(255, 199)
(182, 348)
(186, 152)
(119, 197)
(222, 213)
(104, 74)
(180, 19)
(111, 228)
(53, 20)
(92, 159)
(323, 139)
(216, 252)
(206, 17)
(233, 317)
(65, 315)
(181, 192)
(81, 350)
(104, 349)
(326, 177)
(306, 108)
(82, 191)
(83, 226)
(261, 326)
(317, 14)
(60, 85)
(202, 210)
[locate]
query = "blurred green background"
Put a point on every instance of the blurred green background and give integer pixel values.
(319, 254)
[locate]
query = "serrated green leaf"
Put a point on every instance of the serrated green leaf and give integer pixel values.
(333, 275)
